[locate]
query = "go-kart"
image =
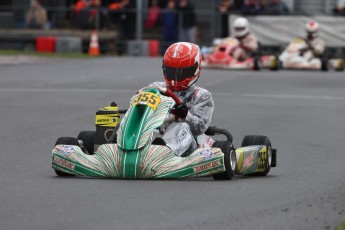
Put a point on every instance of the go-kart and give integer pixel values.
(221, 57)
(291, 58)
(128, 153)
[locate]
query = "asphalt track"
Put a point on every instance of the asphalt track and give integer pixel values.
(301, 112)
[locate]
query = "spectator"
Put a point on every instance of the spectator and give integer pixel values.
(36, 17)
(170, 24)
(223, 8)
(276, 7)
(263, 4)
(82, 12)
(188, 33)
(340, 9)
(251, 7)
(237, 4)
(125, 10)
(153, 15)
(95, 11)
(50, 5)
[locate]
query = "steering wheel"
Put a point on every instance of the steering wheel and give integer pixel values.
(169, 93)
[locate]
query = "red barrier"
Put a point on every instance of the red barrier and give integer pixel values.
(153, 48)
(45, 44)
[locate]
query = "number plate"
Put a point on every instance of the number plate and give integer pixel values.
(146, 98)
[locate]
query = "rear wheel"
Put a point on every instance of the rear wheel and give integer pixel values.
(260, 140)
(229, 160)
(66, 141)
(256, 64)
(88, 138)
(324, 64)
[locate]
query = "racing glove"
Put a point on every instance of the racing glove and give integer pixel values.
(179, 111)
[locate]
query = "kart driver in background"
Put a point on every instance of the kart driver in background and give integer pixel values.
(181, 70)
(316, 46)
(248, 42)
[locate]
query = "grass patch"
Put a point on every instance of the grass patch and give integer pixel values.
(341, 226)
(45, 55)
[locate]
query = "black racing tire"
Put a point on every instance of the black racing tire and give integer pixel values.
(259, 140)
(88, 138)
(256, 64)
(66, 141)
(324, 64)
(229, 160)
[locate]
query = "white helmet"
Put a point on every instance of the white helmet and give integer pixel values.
(241, 27)
(312, 29)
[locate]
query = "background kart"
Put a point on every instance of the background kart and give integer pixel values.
(130, 153)
(221, 57)
(291, 58)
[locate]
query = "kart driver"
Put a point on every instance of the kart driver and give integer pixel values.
(248, 42)
(181, 69)
(316, 46)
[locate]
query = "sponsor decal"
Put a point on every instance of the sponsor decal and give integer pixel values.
(66, 149)
(101, 120)
(248, 161)
(183, 135)
(206, 154)
(63, 163)
(206, 166)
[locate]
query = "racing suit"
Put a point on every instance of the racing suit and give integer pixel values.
(185, 136)
(248, 45)
(316, 49)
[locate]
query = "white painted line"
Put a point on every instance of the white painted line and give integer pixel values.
(52, 90)
(250, 95)
(280, 96)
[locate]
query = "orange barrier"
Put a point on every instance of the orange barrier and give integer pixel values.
(153, 48)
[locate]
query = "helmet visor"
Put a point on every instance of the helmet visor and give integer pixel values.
(239, 29)
(179, 74)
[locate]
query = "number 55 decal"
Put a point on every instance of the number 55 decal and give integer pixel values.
(147, 98)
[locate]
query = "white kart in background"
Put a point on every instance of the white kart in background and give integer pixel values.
(291, 58)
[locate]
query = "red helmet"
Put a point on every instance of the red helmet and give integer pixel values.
(181, 65)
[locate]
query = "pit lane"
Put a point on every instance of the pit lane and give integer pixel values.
(301, 112)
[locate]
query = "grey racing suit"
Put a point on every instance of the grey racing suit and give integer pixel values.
(248, 45)
(317, 48)
(181, 137)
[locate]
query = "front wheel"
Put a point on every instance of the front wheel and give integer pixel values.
(229, 160)
(260, 140)
(65, 141)
(88, 138)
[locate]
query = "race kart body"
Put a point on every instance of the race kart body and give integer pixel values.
(292, 58)
(131, 154)
(222, 58)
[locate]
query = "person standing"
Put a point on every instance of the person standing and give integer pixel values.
(186, 9)
(36, 17)
(125, 11)
(223, 8)
(169, 19)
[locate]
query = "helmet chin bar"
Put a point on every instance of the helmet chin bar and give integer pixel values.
(312, 35)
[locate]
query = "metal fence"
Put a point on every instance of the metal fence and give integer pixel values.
(139, 23)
